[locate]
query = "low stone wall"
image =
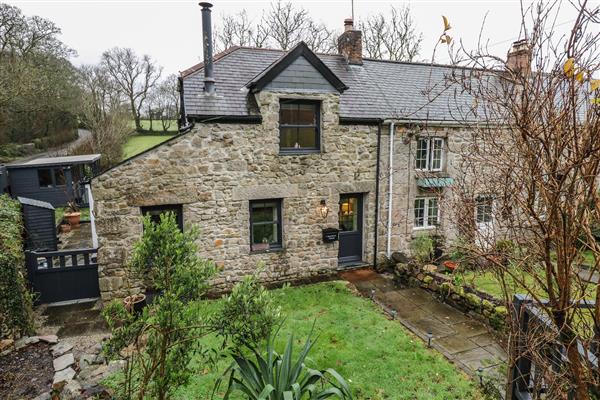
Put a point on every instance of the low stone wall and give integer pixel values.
(487, 308)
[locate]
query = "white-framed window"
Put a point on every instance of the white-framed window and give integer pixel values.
(484, 209)
(427, 212)
(430, 154)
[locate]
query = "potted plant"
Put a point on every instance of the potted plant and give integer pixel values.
(72, 214)
(65, 227)
(135, 303)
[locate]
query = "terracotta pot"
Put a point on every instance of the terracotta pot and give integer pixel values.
(73, 218)
(135, 303)
(451, 265)
(65, 228)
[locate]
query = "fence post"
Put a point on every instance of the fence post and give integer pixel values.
(519, 374)
(31, 266)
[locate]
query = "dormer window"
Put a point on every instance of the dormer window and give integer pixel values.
(299, 126)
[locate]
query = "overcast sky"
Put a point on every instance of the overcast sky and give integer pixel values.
(170, 31)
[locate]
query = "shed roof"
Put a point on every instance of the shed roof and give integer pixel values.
(51, 161)
(377, 89)
(35, 203)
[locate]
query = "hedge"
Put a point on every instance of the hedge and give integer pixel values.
(16, 315)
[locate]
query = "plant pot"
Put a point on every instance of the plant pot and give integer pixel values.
(451, 265)
(135, 303)
(73, 218)
(65, 228)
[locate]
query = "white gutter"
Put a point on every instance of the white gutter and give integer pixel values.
(390, 191)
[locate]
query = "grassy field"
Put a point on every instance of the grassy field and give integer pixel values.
(156, 126)
(138, 143)
(377, 356)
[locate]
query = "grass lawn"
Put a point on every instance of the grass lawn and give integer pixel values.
(377, 356)
(138, 143)
(156, 125)
(489, 283)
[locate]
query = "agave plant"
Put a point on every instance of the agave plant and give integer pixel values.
(272, 376)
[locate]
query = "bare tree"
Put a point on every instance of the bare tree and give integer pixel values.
(391, 36)
(530, 171)
(165, 102)
(282, 27)
(103, 113)
(134, 76)
(238, 30)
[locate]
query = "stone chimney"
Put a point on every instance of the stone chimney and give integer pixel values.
(350, 43)
(518, 59)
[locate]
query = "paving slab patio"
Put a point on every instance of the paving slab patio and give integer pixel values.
(466, 342)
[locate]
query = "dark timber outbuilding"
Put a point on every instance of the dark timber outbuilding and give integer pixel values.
(56, 180)
(40, 228)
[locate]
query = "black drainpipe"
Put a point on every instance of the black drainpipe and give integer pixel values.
(377, 192)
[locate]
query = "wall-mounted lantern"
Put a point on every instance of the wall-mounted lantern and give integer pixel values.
(323, 209)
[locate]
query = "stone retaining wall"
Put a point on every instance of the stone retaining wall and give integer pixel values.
(472, 301)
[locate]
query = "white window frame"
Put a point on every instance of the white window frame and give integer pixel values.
(426, 206)
(482, 203)
(430, 141)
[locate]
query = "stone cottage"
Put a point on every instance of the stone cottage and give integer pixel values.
(308, 163)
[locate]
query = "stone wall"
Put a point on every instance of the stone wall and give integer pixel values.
(467, 299)
(216, 169)
(405, 189)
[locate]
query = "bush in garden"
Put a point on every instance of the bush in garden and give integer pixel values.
(16, 315)
(422, 248)
(159, 343)
(248, 313)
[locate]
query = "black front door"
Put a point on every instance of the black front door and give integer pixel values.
(350, 217)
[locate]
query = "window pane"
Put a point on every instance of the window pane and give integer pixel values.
(306, 114)
(265, 233)
(45, 178)
(432, 212)
(59, 177)
(155, 213)
(419, 212)
(348, 217)
(484, 210)
(264, 212)
(307, 138)
(436, 154)
(288, 114)
(421, 156)
(289, 137)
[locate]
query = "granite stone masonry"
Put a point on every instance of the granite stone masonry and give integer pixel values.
(215, 170)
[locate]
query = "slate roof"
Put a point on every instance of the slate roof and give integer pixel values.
(35, 203)
(377, 89)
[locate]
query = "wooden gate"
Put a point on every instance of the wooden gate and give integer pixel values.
(63, 275)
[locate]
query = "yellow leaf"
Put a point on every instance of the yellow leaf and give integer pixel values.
(595, 101)
(446, 23)
(579, 76)
(569, 66)
(448, 39)
(595, 84)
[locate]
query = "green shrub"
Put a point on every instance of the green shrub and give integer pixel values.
(16, 315)
(248, 314)
(422, 248)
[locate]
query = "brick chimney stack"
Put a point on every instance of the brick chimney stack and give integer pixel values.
(518, 59)
(350, 43)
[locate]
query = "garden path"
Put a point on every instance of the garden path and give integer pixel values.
(463, 340)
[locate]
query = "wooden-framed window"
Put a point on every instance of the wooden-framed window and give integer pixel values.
(51, 177)
(299, 126)
(156, 211)
(265, 224)
(430, 154)
(427, 212)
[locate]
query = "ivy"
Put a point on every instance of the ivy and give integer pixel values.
(16, 315)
